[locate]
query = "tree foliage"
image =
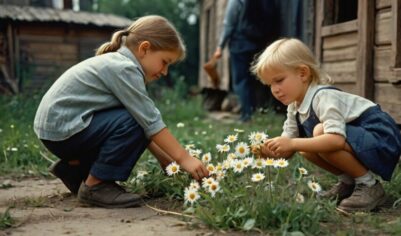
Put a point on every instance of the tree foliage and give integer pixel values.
(184, 14)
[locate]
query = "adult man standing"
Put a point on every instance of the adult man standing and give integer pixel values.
(249, 25)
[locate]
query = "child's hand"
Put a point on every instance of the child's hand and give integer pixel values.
(195, 167)
(279, 146)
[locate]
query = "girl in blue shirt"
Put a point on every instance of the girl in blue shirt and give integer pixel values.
(98, 117)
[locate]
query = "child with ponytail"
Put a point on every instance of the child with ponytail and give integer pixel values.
(98, 117)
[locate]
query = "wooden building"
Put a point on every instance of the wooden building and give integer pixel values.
(358, 43)
(37, 44)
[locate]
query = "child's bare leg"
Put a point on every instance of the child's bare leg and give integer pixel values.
(319, 161)
(342, 160)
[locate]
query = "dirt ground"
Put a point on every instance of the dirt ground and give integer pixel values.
(44, 207)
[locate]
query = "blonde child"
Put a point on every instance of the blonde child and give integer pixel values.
(345, 134)
(98, 118)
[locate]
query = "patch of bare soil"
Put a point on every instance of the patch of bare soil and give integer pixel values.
(44, 207)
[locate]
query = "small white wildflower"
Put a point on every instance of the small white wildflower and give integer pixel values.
(194, 185)
(259, 163)
(207, 157)
(204, 132)
(281, 163)
(242, 149)
(257, 177)
(314, 186)
(172, 169)
(257, 137)
(191, 195)
(270, 162)
(141, 174)
(214, 187)
(247, 161)
(222, 148)
(195, 152)
(189, 146)
(302, 171)
(300, 198)
(239, 130)
(237, 166)
(14, 149)
(206, 182)
(211, 168)
(12, 126)
(231, 138)
(180, 125)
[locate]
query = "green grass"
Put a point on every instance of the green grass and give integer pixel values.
(21, 153)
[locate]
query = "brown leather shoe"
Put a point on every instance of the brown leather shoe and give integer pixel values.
(339, 191)
(364, 198)
(72, 176)
(108, 195)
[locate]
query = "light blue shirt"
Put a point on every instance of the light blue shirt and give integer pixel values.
(334, 109)
(114, 79)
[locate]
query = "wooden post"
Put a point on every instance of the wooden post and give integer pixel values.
(396, 29)
(318, 26)
(364, 60)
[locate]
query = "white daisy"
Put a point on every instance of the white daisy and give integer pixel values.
(231, 156)
(214, 187)
(195, 152)
(194, 185)
(191, 195)
(237, 166)
(257, 177)
(299, 198)
(270, 162)
(211, 168)
(281, 163)
(257, 137)
(172, 169)
(259, 163)
(206, 182)
(207, 157)
(231, 138)
(302, 171)
(314, 186)
(222, 148)
(247, 161)
(242, 149)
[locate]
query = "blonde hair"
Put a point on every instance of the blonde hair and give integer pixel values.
(161, 34)
(289, 53)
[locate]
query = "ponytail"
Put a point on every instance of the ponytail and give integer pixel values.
(114, 44)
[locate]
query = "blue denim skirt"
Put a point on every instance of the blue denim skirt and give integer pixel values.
(376, 141)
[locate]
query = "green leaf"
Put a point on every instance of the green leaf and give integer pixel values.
(249, 224)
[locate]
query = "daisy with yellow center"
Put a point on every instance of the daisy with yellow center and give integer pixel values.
(270, 162)
(259, 163)
(231, 138)
(172, 169)
(242, 149)
(247, 161)
(206, 182)
(207, 157)
(257, 137)
(211, 168)
(191, 195)
(299, 198)
(238, 166)
(281, 163)
(257, 177)
(194, 185)
(214, 187)
(222, 148)
(195, 153)
(314, 186)
(302, 171)
(231, 156)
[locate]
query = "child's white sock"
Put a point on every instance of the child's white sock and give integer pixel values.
(346, 179)
(368, 179)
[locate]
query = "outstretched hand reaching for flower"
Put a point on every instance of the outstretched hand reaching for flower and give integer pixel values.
(279, 147)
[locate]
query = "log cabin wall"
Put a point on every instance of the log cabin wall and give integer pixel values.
(360, 49)
(46, 52)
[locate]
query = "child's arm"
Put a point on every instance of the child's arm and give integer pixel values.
(321, 143)
(169, 144)
(163, 158)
